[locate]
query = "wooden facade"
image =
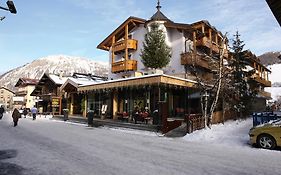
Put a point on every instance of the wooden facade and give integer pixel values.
(121, 44)
(49, 96)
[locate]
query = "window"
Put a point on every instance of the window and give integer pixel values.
(2, 91)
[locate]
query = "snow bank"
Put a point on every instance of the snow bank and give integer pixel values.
(232, 133)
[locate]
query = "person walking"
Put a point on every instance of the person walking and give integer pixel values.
(34, 112)
(2, 110)
(25, 112)
(16, 115)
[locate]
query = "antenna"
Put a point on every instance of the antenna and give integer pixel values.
(158, 5)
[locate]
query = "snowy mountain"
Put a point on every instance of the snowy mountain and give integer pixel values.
(53, 64)
(270, 58)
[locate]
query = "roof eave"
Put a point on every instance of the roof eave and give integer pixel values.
(103, 44)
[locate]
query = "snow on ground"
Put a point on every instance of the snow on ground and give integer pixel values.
(232, 133)
(51, 147)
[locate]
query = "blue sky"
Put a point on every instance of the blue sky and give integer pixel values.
(76, 27)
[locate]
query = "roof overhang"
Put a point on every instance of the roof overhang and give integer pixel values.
(132, 22)
(154, 79)
(275, 6)
(69, 86)
(178, 26)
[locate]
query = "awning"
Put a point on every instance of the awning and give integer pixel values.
(154, 79)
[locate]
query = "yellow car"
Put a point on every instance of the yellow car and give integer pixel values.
(267, 135)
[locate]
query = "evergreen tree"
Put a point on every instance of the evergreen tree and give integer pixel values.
(242, 94)
(155, 54)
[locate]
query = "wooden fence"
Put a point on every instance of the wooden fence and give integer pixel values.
(194, 122)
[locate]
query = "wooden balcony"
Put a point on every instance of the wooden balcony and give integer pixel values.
(199, 61)
(262, 81)
(126, 65)
(265, 94)
(122, 45)
(206, 42)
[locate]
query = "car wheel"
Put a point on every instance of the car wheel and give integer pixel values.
(266, 141)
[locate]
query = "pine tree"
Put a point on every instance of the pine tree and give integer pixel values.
(241, 92)
(155, 54)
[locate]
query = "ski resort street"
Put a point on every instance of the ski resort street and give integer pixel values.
(50, 147)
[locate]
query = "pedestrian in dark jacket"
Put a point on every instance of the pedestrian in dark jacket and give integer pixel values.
(2, 110)
(16, 115)
(25, 112)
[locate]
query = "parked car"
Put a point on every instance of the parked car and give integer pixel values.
(267, 135)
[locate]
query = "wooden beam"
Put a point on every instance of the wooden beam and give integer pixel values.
(210, 36)
(112, 50)
(194, 45)
(126, 42)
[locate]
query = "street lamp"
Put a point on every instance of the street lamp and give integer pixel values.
(11, 7)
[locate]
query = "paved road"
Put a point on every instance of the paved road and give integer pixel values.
(47, 147)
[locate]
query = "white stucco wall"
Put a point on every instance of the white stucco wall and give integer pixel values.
(174, 39)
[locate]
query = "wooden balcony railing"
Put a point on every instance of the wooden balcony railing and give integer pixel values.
(200, 61)
(126, 65)
(262, 81)
(206, 42)
(122, 45)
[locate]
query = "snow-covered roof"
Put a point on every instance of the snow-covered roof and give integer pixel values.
(77, 81)
(142, 80)
(57, 79)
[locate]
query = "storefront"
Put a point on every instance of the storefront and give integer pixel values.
(152, 99)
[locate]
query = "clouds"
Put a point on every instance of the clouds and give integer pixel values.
(77, 26)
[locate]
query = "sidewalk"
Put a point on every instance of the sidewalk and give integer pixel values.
(108, 122)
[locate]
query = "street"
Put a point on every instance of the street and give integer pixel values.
(49, 147)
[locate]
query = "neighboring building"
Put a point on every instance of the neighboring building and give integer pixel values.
(54, 93)
(6, 97)
(261, 79)
(48, 94)
(76, 101)
(25, 87)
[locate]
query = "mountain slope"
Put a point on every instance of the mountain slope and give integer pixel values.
(53, 64)
(270, 58)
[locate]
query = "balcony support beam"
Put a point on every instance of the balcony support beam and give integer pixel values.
(126, 39)
(112, 49)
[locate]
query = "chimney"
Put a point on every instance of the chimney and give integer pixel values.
(61, 74)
